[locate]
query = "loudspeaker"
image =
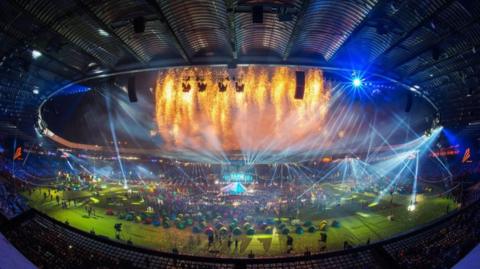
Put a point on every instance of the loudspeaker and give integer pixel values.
(299, 84)
(257, 14)
(132, 92)
(139, 25)
(409, 102)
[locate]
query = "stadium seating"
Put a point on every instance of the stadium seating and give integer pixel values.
(50, 243)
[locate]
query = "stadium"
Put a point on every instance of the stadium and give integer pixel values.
(239, 134)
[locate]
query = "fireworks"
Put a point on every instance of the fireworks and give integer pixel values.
(238, 119)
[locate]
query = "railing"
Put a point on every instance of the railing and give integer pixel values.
(372, 255)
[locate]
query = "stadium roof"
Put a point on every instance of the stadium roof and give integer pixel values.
(433, 44)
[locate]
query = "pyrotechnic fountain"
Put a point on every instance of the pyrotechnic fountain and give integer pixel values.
(256, 111)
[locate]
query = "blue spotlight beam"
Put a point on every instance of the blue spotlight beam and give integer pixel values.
(114, 137)
(318, 181)
(435, 133)
(415, 180)
(390, 185)
(188, 177)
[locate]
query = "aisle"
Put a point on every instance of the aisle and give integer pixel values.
(11, 258)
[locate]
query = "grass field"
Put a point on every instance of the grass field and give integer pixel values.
(357, 224)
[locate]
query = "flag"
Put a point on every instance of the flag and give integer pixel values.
(18, 154)
(466, 156)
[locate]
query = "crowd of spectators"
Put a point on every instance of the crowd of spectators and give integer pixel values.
(444, 245)
(440, 245)
(49, 245)
(11, 203)
(48, 249)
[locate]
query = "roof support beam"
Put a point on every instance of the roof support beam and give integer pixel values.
(21, 36)
(109, 30)
(296, 29)
(425, 20)
(432, 64)
(460, 99)
(437, 41)
(170, 33)
(38, 75)
(472, 64)
(71, 68)
(378, 8)
(49, 26)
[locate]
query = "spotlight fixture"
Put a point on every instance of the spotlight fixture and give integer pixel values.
(186, 86)
(103, 32)
(428, 132)
(357, 82)
(222, 87)
(239, 86)
(36, 54)
(202, 86)
(97, 70)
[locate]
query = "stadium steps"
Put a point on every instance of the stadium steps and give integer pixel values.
(383, 258)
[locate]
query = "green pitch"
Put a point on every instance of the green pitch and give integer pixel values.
(357, 223)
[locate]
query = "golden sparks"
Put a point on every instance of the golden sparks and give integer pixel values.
(263, 116)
